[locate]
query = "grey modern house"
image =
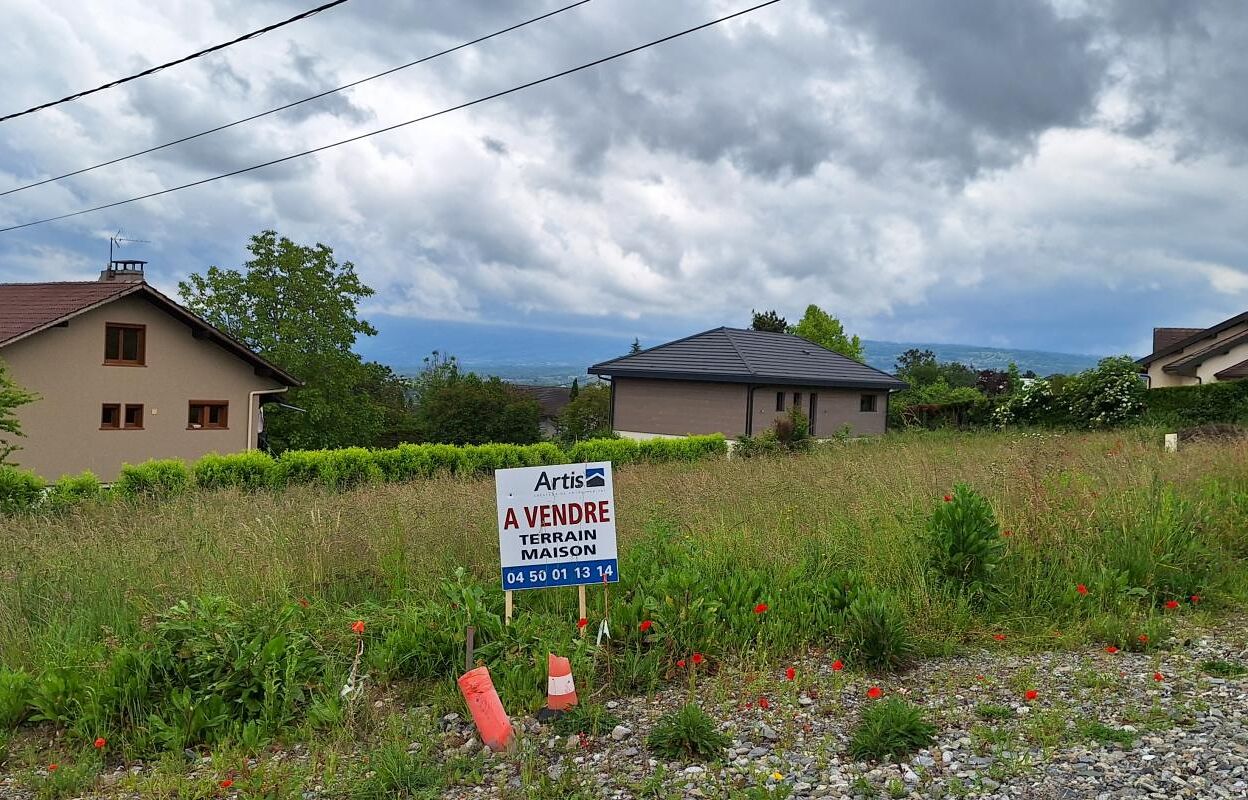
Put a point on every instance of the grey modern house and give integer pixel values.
(735, 382)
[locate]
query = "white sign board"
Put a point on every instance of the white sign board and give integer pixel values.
(556, 525)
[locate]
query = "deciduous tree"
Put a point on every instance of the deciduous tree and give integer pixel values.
(826, 330)
(12, 397)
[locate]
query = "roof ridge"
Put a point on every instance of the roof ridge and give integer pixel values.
(745, 362)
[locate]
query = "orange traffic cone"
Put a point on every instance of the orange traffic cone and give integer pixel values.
(487, 710)
(560, 688)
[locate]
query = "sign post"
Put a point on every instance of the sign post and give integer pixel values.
(556, 527)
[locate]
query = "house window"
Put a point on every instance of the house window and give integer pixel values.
(814, 411)
(125, 345)
(134, 416)
(797, 400)
(208, 415)
(110, 416)
(779, 401)
(867, 403)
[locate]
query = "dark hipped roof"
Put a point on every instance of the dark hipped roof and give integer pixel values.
(1199, 335)
(732, 355)
(550, 399)
(28, 308)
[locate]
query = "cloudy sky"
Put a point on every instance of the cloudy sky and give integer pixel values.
(1048, 175)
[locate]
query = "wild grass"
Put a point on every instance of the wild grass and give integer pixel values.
(702, 545)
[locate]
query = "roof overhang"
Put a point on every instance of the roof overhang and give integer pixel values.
(1183, 344)
(712, 377)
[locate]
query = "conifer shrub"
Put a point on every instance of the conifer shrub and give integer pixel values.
(964, 540)
(890, 728)
(157, 478)
(20, 490)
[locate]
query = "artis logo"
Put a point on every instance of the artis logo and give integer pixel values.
(594, 477)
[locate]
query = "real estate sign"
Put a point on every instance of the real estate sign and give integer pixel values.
(556, 525)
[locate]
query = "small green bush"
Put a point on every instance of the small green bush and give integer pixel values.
(154, 479)
(393, 772)
(251, 471)
(298, 467)
(1220, 668)
(591, 719)
(876, 631)
(964, 540)
(20, 490)
(71, 490)
(1104, 734)
(688, 733)
(617, 451)
(15, 689)
(348, 467)
(890, 728)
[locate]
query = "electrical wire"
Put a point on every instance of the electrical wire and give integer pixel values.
(404, 124)
(183, 60)
(318, 96)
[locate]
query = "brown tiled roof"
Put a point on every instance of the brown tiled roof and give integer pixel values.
(1218, 348)
(1232, 373)
(551, 399)
(1187, 341)
(1164, 337)
(28, 308)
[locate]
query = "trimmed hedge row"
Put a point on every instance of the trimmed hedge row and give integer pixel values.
(22, 490)
(1186, 406)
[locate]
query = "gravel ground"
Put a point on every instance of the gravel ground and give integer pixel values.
(1103, 725)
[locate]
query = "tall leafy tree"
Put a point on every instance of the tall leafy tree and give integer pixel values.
(12, 397)
(769, 321)
(299, 307)
(827, 331)
(470, 409)
(587, 416)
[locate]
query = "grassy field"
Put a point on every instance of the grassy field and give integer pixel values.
(85, 598)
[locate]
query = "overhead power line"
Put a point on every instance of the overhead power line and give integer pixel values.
(317, 96)
(404, 124)
(183, 60)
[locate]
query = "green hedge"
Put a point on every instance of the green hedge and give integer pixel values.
(1184, 406)
(22, 491)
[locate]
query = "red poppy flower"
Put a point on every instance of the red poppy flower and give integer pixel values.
(584, 741)
(697, 658)
(1172, 604)
(1081, 589)
(980, 678)
(358, 627)
(874, 692)
(790, 673)
(837, 666)
(948, 498)
(764, 703)
(303, 602)
(681, 663)
(1007, 533)
(53, 767)
(100, 742)
(1031, 694)
(760, 608)
(1157, 676)
(1195, 599)
(225, 784)
(645, 625)
(1144, 638)
(582, 622)
(1000, 637)
(1111, 649)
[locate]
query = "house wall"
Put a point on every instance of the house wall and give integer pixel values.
(1159, 378)
(648, 407)
(64, 366)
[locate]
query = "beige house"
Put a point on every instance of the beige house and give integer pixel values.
(735, 382)
(125, 374)
(1191, 356)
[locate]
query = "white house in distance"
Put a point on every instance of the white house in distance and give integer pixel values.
(1192, 356)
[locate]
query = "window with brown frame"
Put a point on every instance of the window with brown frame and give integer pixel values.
(110, 416)
(208, 415)
(134, 417)
(866, 403)
(779, 401)
(125, 345)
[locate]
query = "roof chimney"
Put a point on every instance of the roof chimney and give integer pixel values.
(124, 270)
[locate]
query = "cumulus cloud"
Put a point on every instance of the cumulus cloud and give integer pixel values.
(1053, 175)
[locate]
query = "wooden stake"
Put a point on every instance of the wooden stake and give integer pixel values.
(583, 605)
(507, 606)
(468, 649)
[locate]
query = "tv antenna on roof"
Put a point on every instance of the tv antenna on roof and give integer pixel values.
(117, 240)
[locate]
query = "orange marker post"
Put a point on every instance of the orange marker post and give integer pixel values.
(486, 709)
